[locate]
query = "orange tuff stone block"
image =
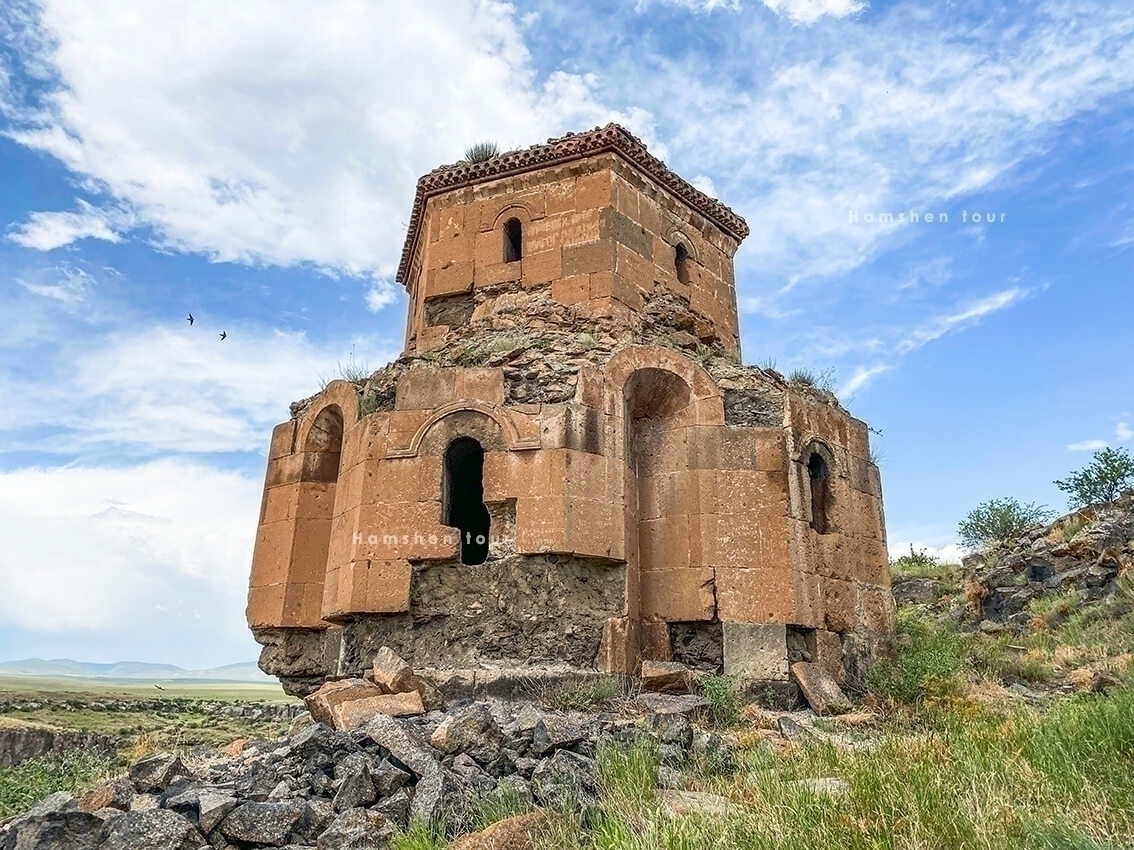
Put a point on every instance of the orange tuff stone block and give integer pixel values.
(449, 280)
(303, 605)
(309, 551)
(840, 599)
(678, 595)
(542, 267)
(265, 606)
(482, 384)
(593, 191)
(570, 290)
(589, 257)
(404, 424)
(285, 470)
(589, 528)
(271, 554)
(541, 524)
(385, 588)
(408, 479)
(426, 389)
(495, 273)
(279, 504)
(755, 596)
(283, 440)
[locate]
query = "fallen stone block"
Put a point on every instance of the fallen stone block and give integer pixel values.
(672, 703)
(115, 794)
(348, 716)
(666, 677)
(819, 688)
(322, 703)
(157, 773)
(390, 672)
(519, 832)
(262, 823)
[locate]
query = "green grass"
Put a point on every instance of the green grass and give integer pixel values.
(27, 783)
(956, 777)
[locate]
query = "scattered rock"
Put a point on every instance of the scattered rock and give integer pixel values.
(666, 677)
(673, 703)
(791, 730)
(471, 730)
(262, 823)
(157, 773)
(55, 831)
(679, 802)
(565, 779)
(819, 688)
(157, 830)
(357, 829)
(390, 673)
(519, 832)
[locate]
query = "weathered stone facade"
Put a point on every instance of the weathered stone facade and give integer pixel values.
(571, 395)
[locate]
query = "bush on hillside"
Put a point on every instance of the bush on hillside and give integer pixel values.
(999, 520)
(1102, 480)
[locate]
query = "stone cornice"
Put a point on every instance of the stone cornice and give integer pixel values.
(573, 146)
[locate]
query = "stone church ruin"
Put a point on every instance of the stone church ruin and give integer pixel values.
(569, 469)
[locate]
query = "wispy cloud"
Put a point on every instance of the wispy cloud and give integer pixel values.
(45, 231)
(71, 288)
(168, 389)
(1087, 446)
(810, 11)
(1123, 432)
(907, 341)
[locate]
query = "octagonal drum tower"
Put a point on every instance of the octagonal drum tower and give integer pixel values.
(568, 468)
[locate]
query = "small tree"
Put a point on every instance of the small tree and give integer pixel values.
(998, 520)
(1109, 473)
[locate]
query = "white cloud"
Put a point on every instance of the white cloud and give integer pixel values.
(1087, 446)
(281, 132)
(862, 376)
(128, 551)
(381, 294)
(908, 341)
(940, 326)
(170, 390)
(693, 5)
(71, 286)
(1123, 432)
(809, 11)
(916, 111)
(44, 231)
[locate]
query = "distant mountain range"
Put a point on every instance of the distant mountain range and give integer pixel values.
(59, 668)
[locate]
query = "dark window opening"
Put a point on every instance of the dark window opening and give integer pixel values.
(464, 498)
(681, 262)
(513, 240)
(820, 492)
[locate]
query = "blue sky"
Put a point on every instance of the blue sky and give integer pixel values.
(254, 164)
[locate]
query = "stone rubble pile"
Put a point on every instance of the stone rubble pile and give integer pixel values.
(355, 788)
(1085, 551)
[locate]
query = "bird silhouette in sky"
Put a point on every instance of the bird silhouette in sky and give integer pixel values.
(159, 687)
(223, 335)
(190, 320)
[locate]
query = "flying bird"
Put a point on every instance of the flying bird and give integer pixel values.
(159, 687)
(190, 320)
(223, 334)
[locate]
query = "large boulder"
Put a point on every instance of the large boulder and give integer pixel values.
(262, 823)
(155, 830)
(357, 829)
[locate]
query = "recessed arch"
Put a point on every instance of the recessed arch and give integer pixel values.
(508, 435)
(462, 497)
(513, 233)
(819, 462)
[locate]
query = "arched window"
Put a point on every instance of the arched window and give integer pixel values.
(463, 494)
(681, 262)
(819, 477)
(513, 240)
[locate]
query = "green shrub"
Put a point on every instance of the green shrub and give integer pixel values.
(482, 152)
(723, 694)
(998, 520)
(928, 660)
(1109, 473)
